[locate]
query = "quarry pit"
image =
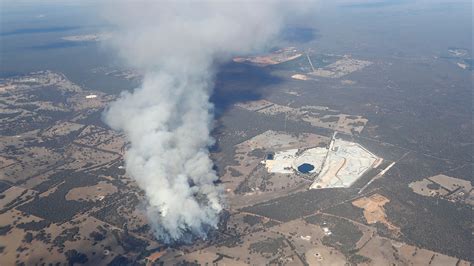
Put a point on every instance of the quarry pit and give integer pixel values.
(338, 165)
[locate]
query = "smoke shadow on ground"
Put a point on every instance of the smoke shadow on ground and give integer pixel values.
(239, 83)
(300, 34)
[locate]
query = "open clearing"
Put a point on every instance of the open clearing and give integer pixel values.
(445, 187)
(91, 193)
(341, 68)
(317, 116)
(277, 57)
(374, 211)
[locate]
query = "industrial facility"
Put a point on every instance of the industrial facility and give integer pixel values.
(338, 165)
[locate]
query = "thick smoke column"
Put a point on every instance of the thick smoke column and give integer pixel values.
(169, 118)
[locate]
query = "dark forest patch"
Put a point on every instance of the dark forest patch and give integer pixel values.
(55, 207)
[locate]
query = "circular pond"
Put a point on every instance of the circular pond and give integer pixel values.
(305, 168)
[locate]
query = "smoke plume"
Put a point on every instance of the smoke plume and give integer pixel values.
(178, 44)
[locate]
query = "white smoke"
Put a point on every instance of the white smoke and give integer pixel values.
(168, 119)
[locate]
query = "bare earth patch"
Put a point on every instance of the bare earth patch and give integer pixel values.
(92, 193)
(445, 187)
(374, 211)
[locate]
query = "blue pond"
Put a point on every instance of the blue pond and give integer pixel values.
(305, 168)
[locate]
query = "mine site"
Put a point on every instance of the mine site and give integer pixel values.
(224, 136)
